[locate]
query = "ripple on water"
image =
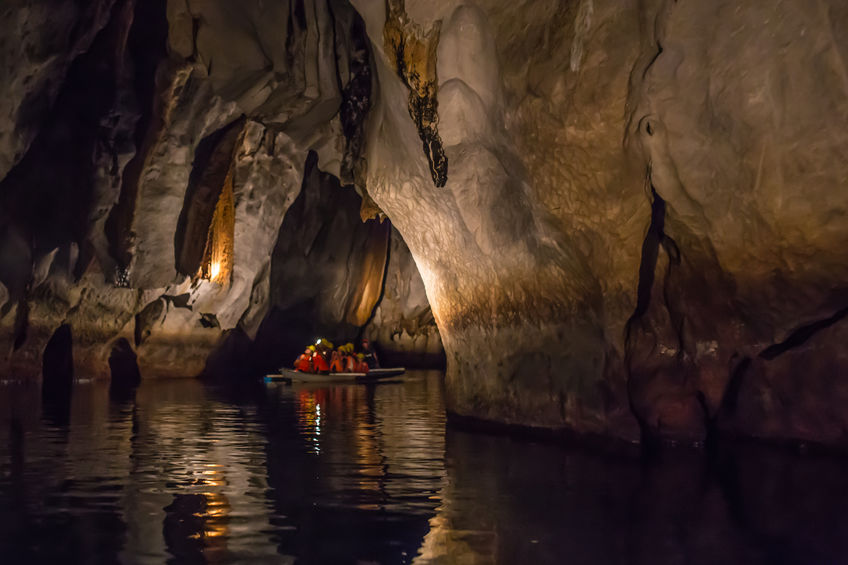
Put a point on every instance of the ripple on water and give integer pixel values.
(356, 474)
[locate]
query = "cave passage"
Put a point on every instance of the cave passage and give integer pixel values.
(614, 226)
(334, 276)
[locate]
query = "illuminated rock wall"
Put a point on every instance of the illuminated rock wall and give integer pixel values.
(153, 149)
(523, 252)
(641, 227)
(403, 327)
(327, 269)
(627, 215)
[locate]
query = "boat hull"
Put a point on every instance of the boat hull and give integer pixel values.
(291, 375)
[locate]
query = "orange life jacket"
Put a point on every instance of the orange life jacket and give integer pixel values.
(361, 367)
(303, 363)
(319, 364)
(350, 364)
(337, 366)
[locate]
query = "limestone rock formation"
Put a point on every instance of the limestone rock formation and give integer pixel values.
(743, 129)
(39, 42)
(403, 327)
(627, 216)
(412, 51)
(153, 150)
(523, 252)
(640, 233)
(330, 275)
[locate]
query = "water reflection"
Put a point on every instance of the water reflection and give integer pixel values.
(508, 501)
(344, 482)
(183, 473)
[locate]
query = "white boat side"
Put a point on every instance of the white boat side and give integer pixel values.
(372, 375)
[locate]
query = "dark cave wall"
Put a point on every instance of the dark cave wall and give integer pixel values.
(327, 270)
(40, 41)
(327, 256)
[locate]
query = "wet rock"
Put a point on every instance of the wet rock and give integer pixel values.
(326, 272)
(640, 233)
(555, 307)
(403, 329)
(739, 163)
(529, 282)
(123, 365)
(58, 367)
(411, 49)
(40, 41)
(158, 107)
(792, 391)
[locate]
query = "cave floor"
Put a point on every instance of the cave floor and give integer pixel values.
(181, 471)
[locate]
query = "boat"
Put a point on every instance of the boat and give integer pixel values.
(291, 375)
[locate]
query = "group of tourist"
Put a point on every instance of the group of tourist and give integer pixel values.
(323, 358)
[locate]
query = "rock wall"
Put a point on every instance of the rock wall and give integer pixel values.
(523, 251)
(40, 41)
(640, 233)
(743, 126)
(326, 271)
(330, 275)
(403, 328)
(124, 123)
(627, 215)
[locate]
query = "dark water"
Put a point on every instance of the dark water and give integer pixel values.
(187, 473)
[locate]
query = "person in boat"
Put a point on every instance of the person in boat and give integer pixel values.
(350, 363)
(337, 364)
(346, 353)
(319, 363)
(361, 365)
(370, 354)
(304, 362)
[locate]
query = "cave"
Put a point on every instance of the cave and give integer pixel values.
(536, 244)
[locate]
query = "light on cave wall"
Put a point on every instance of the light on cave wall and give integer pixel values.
(372, 271)
(217, 264)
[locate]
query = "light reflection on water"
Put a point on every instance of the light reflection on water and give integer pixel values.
(185, 473)
(191, 473)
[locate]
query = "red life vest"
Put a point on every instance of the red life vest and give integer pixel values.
(337, 366)
(319, 364)
(303, 363)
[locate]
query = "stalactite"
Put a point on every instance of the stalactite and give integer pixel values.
(414, 52)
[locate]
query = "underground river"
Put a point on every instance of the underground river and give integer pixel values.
(185, 472)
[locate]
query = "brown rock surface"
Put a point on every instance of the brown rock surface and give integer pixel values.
(403, 327)
(564, 127)
(641, 230)
(169, 118)
(521, 252)
(38, 42)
